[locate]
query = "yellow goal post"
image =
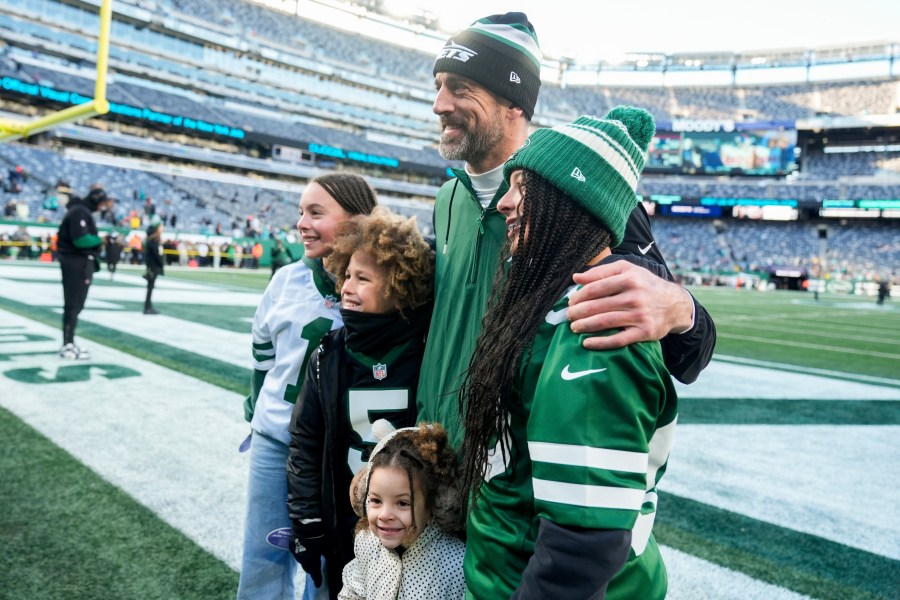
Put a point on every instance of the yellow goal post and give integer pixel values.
(11, 130)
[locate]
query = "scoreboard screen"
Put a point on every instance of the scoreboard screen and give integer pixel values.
(767, 152)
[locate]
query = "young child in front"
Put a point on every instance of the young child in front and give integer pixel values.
(365, 371)
(410, 508)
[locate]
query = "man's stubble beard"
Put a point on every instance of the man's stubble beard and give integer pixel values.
(475, 145)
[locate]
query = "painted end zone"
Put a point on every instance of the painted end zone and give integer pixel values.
(168, 440)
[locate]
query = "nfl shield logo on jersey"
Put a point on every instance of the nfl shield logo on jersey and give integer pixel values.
(379, 371)
(330, 301)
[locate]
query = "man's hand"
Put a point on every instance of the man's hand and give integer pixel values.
(622, 295)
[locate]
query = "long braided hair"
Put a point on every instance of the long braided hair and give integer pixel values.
(561, 238)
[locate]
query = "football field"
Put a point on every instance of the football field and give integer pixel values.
(120, 476)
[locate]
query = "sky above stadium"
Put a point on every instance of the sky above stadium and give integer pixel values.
(592, 29)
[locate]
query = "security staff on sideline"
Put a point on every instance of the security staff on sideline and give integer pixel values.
(79, 252)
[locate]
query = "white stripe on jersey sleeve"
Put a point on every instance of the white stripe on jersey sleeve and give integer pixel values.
(643, 526)
(586, 456)
(591, 496)
(660, 446)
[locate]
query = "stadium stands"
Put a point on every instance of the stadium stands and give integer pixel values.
(854, 164)
(275, 79)
(853, 248)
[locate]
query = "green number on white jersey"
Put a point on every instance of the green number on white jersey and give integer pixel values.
(364, 407)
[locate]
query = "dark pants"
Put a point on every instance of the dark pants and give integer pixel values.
(150, 276)
(77, 274)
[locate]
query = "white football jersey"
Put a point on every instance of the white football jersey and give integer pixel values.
(298, 308)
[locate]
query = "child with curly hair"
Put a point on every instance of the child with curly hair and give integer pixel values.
(367, 370)
(410, 509)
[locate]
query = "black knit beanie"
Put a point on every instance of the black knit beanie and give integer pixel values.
(499, 52)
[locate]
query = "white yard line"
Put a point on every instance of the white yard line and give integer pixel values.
(213, 342)
(727, 380)
(837, 349)
(808, 370)
(168, 440)
(692, 578)
(830, 481)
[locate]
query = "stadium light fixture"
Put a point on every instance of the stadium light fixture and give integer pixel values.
(11, 130)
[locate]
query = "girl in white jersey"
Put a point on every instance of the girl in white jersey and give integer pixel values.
(299, 306)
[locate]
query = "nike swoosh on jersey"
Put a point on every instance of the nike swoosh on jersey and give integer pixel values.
(568, 375)
(645, 250)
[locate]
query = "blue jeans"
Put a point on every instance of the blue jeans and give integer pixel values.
(268, 570)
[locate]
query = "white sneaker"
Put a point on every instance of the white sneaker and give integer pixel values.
(73, 352)
(69, 352)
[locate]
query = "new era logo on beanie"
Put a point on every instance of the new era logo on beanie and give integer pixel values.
(499, 52)
(594, 161)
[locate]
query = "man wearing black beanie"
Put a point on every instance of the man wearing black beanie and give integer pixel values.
(79, 251)
(487, 79)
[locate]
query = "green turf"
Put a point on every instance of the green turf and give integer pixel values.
(65, 533)
(849, 334)
(229, 318)
(250, 279)
(101, 280)
(797, 561)
(755, 411)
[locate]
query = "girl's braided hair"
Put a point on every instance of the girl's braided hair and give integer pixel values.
(349, 190)
(561, 238)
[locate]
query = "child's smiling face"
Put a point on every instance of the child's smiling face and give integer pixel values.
(390, 507)
(320, 215)
(365, 285)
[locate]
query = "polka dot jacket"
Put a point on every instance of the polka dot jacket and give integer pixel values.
(430, 569)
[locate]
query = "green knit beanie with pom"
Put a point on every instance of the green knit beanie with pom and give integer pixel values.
(596, 162)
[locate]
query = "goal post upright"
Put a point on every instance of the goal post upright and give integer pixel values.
(11, 130)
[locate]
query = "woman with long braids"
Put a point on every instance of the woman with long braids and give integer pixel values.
(564, 446)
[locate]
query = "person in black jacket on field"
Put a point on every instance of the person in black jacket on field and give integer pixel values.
(78, 247)
(113, 252)
(153, 260)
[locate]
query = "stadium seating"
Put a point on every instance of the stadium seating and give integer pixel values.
(853, 248)
(351, 92)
